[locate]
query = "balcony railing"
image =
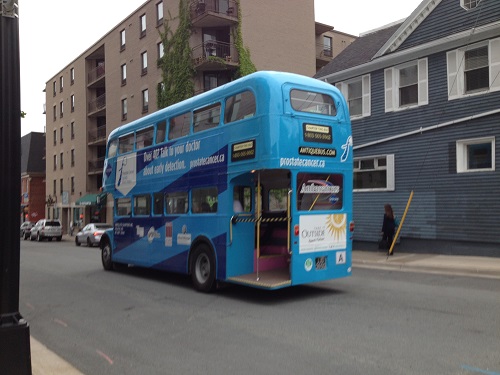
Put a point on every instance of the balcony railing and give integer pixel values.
(97, 135)
(96, 73)
(213, 53)
(97, 104)
(96, 165)
(210, 13)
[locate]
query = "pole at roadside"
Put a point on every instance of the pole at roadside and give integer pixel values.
(15, 357)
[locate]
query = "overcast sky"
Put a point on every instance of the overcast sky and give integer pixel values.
(51, 36)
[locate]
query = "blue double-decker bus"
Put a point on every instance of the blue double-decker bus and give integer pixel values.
(249, 183)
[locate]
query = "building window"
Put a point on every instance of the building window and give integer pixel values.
(474, 69)
(469, 4)
(122, 40)
(145, 100)
(406, 86)
(124, 74)
(374, 173)
(61, 83)
(72, 103)
(357, 93)
(72, 184)
(327, 46)
(476, 155)
(61, 134)
(143, 25)
(54, 187)
(72, 76)
(61, 109)
(55, 137)
(72, 157)
(61, 185)
(54, 110)
(159, 13)
(54, 88)
(72, 130)
(144, 63)
(160, 50)
(55, 162)
(124, 109)
(61, 160)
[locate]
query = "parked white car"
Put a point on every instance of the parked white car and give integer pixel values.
(91, 234)
(26, 228)
(46, 228)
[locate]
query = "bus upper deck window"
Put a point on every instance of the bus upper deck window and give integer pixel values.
(161, 130)
(126, 143)
(206, 117)
(144, 138)
(313, 102)
(112, 148)
(179, 126)
(239, 107)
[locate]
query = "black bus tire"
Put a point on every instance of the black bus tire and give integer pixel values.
(107, 262)
(203, 268)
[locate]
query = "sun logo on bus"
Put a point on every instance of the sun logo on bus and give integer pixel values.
(336, 225)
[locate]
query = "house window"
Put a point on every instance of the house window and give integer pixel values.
(144, 63)
(72, 157)
(61, 109)
(124, 109)
(72, 103)
(357, 93)
(327, 46)
(72, 76)
(122, 40)
(474, 69)
(160, 50)
(143, 25)
(72, 130)
(61, 160)
(159, 13)
(61, 133)
(374, 173)
(476, 155)
(469, 4)
(124, 74)
(145, 100)
(61, 83)
(72, 184)
(406, 86)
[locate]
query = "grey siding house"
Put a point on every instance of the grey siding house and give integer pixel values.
(424, 99)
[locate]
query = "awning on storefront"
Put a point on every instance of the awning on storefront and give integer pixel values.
(87, 200)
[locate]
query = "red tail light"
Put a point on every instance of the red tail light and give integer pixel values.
(351, 226)
(296, 229)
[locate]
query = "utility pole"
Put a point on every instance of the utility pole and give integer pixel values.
(15, 356)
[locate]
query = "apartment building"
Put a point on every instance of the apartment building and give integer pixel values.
(116, 80)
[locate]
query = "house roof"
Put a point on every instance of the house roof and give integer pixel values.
(360, 51)
(32, 153)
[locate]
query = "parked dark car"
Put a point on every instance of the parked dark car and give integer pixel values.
(46, 228)
(26, 228)
(91, 234)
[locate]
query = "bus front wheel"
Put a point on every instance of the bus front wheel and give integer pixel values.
(203, 268)
(107, 262)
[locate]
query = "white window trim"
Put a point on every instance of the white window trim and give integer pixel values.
(366, 94)
(462, 154)
(455, 61)
(462, 4)
(391, 84)
(390, 175)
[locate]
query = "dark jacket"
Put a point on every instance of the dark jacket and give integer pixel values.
(388, 226)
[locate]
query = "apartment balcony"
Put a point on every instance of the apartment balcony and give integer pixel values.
(97, 107)
(97, 137)
(213, 13)
(324, 55)
(213, 55)
(95, 166)
(95, 78)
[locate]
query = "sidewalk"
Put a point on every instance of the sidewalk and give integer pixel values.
(45, 362)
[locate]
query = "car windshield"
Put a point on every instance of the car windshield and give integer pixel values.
(52, 224)
(103, 226)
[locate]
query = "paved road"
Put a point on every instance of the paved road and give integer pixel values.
(137, 322)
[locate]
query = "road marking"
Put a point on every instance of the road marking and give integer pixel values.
(110, 361)
(60, 322)
(480, 371)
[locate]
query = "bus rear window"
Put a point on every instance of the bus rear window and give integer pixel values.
(319, 191)
(313, 102)
(239, 107)
(112, 148)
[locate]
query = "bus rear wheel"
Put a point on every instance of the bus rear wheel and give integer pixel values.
(203, 268)
(107, 262)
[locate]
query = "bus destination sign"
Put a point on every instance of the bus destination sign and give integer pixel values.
(243, 150)
(317, 133)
